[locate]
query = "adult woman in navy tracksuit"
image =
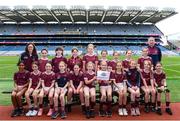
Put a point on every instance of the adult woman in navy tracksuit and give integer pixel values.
(29, 56)
(153, 51)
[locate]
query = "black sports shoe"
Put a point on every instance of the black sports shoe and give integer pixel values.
(146, 109)
(63, 115)
(69, 108)
(168, 110)
(102, 113)
(83, 109)
(88, 114)
(153, 109)
(20, 112)
(92, 113)
(159, 111)
(14, 113)
(54, 115)
(109, 113)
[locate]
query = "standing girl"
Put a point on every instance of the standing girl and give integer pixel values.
(75, 59)
(90, 56)
(113, 62)
(58, 58)
(143, 58)
(43, 60)
(126, 62)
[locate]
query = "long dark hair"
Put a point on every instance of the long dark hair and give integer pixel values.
(61, 49)
(34, 49)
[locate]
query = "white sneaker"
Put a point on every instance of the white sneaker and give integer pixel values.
(34, 113)
(125, 112)
(120, 111)
(137, 111)
(29, 113)
(133, 113)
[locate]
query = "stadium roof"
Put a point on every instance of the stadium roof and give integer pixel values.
(76, 14)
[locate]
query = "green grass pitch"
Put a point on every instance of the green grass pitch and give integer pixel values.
(8, 67)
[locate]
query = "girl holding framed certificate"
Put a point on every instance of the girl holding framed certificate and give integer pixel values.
(105, 89)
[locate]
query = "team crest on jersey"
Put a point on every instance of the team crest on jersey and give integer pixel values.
(103, 74)
(25, 57)
(129, 73)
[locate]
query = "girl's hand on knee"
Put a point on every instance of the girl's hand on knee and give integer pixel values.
(162, 88)
(75, 91)
(135, 87)
(45, 91)
(15, 89)
(19, 88)
(78, 91)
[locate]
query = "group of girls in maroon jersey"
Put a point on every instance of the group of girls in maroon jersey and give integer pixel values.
(61, 77)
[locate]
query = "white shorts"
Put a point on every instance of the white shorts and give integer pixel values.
(120, 86)
(105, 87)
(64, 91)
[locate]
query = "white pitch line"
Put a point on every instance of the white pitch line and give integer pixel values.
(6, 67)
(5, 78)
(171, 65)
(172, 70)
(177, 77)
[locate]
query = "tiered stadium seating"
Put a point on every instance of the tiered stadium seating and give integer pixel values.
(117, 29)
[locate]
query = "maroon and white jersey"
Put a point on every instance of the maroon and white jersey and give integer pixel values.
(76, 79)
(119, 78)
(126, 63)
(35, 78)
(73, 61)
(56, 61)
(112, 64)
(159, 77)
(141, 61)
(147, 77)
(42, 63)
(48, 78)
(93, 58)
(89, 77)
(21, 78)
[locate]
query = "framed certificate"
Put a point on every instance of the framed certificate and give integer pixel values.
(103, 75)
